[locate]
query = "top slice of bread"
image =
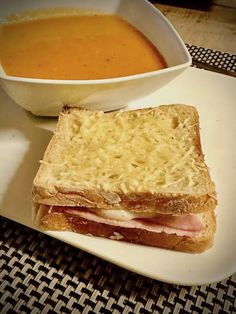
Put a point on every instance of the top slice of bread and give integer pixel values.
(141, 160)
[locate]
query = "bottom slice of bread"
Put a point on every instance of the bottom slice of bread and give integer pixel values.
(59, 221)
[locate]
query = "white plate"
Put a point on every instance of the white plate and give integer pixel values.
(23, 139)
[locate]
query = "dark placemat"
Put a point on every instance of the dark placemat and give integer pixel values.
(39, 274)
(219, 59)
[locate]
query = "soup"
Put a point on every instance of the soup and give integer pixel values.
(76, 47)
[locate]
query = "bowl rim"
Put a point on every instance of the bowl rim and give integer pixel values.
(4, 76)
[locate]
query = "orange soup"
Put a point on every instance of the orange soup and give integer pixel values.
(76, 47)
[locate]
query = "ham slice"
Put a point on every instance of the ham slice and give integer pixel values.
(182, 222)
(183, 225)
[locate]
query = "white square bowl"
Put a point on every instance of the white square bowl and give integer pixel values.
(46, 97)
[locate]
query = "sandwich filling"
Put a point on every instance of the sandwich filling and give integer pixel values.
(181, 225)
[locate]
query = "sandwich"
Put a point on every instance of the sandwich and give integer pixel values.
(137, 176)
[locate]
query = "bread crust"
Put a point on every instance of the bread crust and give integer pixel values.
(142, 202)
(62, 222)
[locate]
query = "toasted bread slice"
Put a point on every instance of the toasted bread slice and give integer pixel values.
(47, 220)
(141, 160)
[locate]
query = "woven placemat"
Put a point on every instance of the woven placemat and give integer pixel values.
(42, 275)
(219, 59)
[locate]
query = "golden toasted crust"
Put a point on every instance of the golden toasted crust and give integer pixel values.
(62, 222)
(144, 202)
(191, 201)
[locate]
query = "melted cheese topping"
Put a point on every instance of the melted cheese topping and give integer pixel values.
(126, 152)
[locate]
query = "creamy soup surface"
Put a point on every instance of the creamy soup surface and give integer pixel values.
(76, 47)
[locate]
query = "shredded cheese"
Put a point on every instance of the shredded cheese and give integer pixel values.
(126, 152)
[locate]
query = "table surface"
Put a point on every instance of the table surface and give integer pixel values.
(42, 275)
(210, 26)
